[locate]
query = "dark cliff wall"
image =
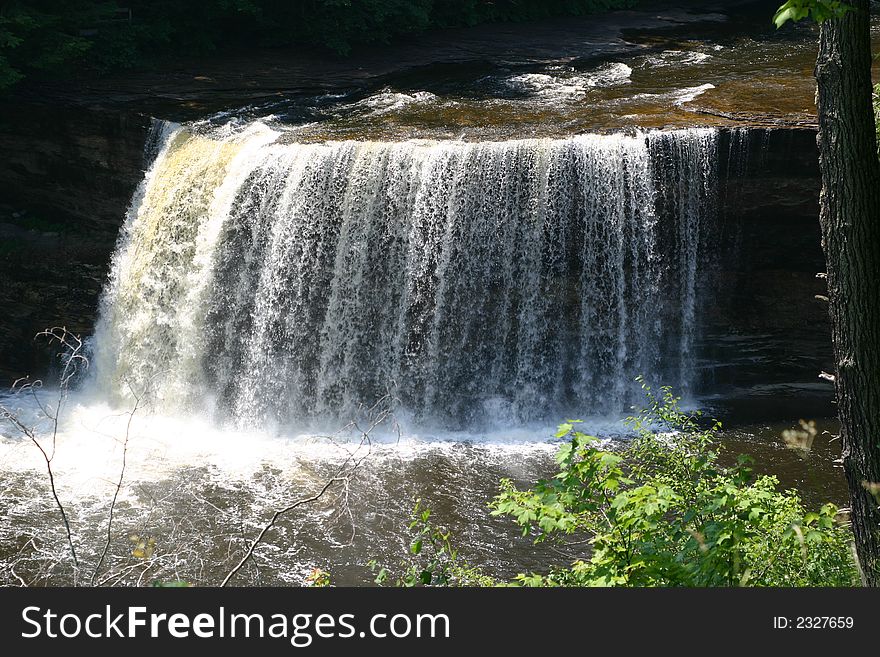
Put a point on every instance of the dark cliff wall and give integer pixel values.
(766, 335)
(75, 160)
(67, 176)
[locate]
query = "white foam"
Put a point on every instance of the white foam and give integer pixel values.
(689, 94)
(677, 97)
(92, 437)
(388, 101)
(282, 281)
(676, 58)
(569, 86)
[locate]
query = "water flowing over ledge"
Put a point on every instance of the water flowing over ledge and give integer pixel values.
(263, 281)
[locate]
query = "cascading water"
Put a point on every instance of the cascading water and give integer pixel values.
(267, 281)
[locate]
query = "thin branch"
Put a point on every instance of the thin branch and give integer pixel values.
(17, 576)
(27, 431)
(343, 475)
(280, 512)
(72, 359)
(118, 488)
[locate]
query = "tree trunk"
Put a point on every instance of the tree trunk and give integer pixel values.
(850, 220)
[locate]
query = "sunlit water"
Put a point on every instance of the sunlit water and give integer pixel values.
(266, 281)
(203, 493)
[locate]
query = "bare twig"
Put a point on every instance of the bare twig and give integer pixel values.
(17, 576)
(73, 358)
(118, 488)
(280, 512)
(342, 476)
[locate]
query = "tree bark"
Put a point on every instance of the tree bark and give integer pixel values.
(850, 221)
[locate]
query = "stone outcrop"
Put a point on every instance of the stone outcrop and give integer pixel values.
(766, 331)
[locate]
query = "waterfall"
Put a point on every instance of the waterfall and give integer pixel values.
(267, 281)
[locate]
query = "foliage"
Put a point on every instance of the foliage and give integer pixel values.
(817, 10)
(170, 584)
(876, 99)
(432, 560)
(45, 35)
(318, 578)
(664, 512)
(38, 37)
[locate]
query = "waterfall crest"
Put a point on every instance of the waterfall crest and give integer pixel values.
(268, 281)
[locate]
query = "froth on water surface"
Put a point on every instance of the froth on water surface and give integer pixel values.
(197, 494)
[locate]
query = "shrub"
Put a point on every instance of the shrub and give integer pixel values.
(432, 560)
(876, 98)
(663, 512)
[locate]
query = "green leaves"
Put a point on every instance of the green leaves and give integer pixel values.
(564, 453)
(380, 571)
(431, 560)
(662, 511)
(876, 99)
(171, 584)
(819, 10)
(588, 477)
(565, 428)
(793, 10)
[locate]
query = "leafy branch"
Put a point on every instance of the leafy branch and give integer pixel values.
(818, 10)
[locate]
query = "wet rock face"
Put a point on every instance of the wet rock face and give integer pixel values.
(764, 328)
(72, 160)
(67, 176)
(51, 273)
